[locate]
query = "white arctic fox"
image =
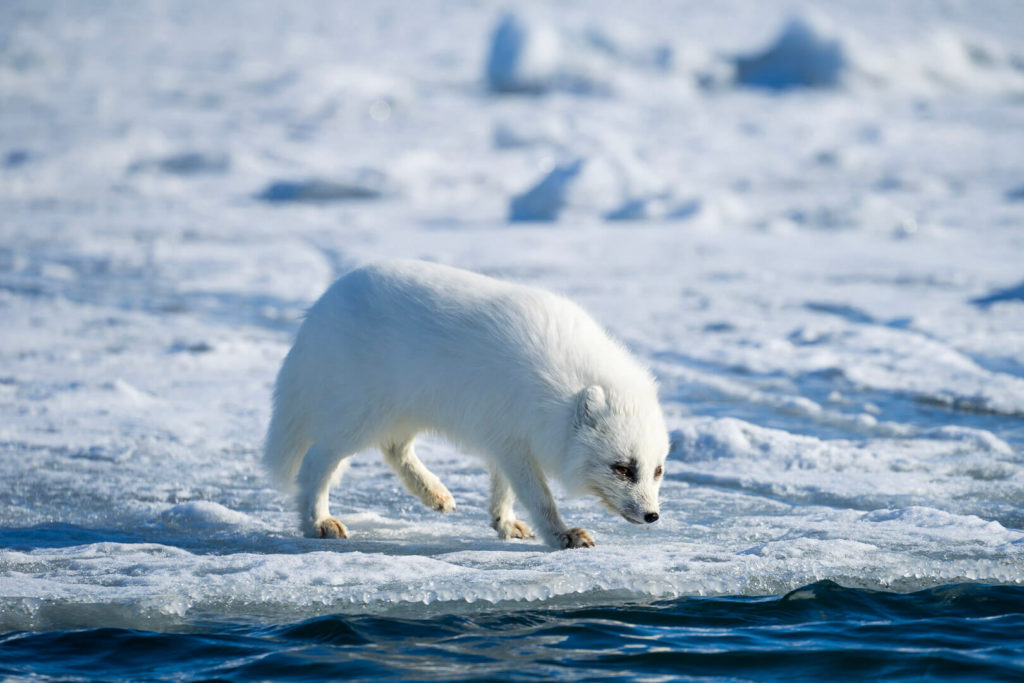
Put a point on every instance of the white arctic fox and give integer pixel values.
(517, 375)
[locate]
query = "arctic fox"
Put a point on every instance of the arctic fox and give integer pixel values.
(522, 377)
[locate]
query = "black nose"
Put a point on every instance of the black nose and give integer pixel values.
(651, 517)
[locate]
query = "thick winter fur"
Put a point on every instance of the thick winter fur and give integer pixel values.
(517, 375)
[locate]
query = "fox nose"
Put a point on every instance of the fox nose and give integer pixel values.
(651, 517)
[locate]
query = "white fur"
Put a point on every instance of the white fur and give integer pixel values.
(524, 378)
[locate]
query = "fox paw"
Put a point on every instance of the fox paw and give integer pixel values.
(442, 501)
(577, 538)
(511, 528)
(330, 528)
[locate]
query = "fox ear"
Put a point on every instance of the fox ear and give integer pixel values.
(589, 403)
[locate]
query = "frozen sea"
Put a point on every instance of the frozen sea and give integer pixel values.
(807, 220)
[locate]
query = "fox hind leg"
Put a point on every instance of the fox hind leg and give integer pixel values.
(321, 467)
(417, 479)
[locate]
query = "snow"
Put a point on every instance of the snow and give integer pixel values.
(826, 281)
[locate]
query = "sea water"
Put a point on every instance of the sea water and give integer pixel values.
(818, 632)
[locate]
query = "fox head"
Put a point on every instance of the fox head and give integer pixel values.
(620, 445)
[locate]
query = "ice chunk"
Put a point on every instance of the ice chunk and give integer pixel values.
(810, 53)
(524, 55)
(656, 207)
(611, 183)
(632, 210)
(686, 209)
(545, 200)
(541, 131)
(804, 55)
(364, 184)
(1011, 293)
(186, 163)
(17, 157)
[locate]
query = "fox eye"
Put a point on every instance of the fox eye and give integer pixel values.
(625, 472)
(658, 472)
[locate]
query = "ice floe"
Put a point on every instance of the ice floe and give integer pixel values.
(807, 224)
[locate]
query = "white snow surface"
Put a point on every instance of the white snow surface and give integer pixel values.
(812, 271)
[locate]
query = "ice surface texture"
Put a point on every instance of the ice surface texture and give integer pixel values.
(825, 280)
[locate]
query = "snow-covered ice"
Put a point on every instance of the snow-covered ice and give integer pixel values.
(826, 280)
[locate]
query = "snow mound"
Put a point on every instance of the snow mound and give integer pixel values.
(363, 184)
(186, 164)
(809, 52)
(609, 183)
(664, 206)
(1012, 293)
(587, 187)
(545, 200)
(527, 55)
(616, 190)
(205, 515)
(804, 55)
(512, 134)
(524, 56)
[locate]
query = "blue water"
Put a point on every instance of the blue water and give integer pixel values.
(823, 631)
